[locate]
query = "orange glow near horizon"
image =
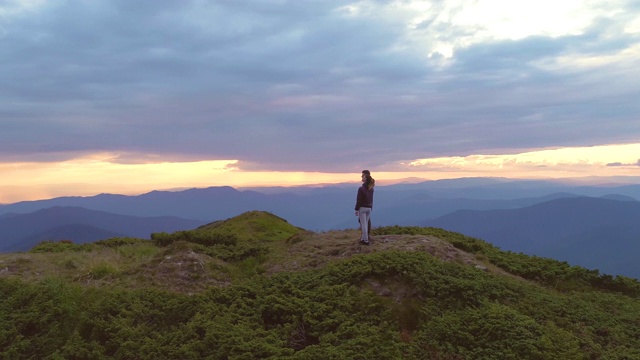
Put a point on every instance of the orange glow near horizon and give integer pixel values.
(97, 173)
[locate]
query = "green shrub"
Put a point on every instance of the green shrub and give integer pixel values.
(206, 238)
(549, 272)
(162, 239)
(141, 250)
(60, 246)
(120, 241)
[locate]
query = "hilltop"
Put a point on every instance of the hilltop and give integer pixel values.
(253, 242)
(255, 286)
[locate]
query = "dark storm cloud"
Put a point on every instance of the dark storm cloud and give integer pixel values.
(293, 85)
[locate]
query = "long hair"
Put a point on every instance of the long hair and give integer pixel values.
(369, 182)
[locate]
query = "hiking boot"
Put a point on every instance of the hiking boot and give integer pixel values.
(363, 242)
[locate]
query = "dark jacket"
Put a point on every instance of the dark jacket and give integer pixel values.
(365, 197)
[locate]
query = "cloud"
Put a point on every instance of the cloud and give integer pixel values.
(576, 160)
(313, 86)
(620, 164)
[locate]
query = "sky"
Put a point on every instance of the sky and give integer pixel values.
(121, 96)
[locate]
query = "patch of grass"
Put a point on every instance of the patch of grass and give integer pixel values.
(138, 251)
(102, 270)
(247, 268)
(23, 261)
(257, 225)
(299, 236)
(70, 264)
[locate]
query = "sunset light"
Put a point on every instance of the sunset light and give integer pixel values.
(96, 174)
(285, 93)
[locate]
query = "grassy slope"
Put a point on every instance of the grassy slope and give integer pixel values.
(415, 293)
(187, 267)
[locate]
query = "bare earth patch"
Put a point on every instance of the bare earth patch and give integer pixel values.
(321, 248)
(184, 271)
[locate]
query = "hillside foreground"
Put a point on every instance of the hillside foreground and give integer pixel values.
(255, 286)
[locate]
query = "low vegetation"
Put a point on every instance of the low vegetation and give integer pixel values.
(256, 287)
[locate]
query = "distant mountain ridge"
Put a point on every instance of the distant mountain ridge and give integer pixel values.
(21, 232)
(327, 208)
(78, 233)
(592, 232)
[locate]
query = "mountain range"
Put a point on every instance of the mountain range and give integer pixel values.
(600, 233)
(592, 226)
(20, 232)
(331, 207)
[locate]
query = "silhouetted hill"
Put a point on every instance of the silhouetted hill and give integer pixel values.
(7, 215)
(618, 197)
(613, 249)
(18, 232)
(582, 230)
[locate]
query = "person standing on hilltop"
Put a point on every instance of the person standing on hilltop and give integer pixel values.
(364, 205)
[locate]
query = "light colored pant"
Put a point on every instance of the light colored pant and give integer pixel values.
(364, 214)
